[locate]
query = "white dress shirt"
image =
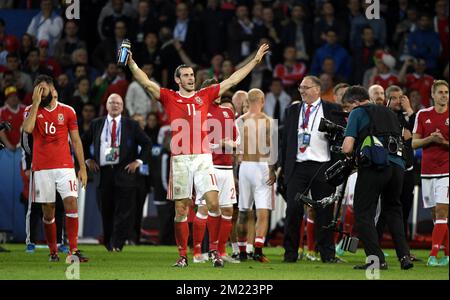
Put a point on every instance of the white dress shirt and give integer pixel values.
(105, 138)
(318, 149)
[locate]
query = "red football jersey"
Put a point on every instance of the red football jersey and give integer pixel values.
(221, 126)
(51, 137)
(187, 117)
(291, 76)
(434, 157)
(386, 80)
(422, 84)
(15, 119)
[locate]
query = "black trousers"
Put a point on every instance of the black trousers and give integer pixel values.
(308, 174)
(36, 215)
(166, 215)
(370, 185)
(406, 199)
(116, 205)
(138, 206)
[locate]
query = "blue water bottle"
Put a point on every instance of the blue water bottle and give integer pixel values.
(124, 53)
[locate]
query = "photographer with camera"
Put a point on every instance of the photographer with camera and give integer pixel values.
(305, 157)
(373, 135)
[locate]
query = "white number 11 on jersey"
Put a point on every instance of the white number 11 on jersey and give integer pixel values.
(191, 112)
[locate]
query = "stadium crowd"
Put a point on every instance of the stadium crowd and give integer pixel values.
(333, 40)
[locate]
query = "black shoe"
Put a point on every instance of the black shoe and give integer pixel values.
(182, 262)
(243, 256)
(216, 260)
(53, 257)
(383, 266)
(414, 258)
(289, 260)
(406, 263)
(79, 255)
(334, 260)
(250, 255)
(235, 255)
(261, 258)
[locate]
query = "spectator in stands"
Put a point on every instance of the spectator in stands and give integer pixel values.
(13, 113)
(81, 95)
(357, 22)
(49, 62)
(241, 35)
(68, 44)
(152, 127)
(326, 87)
(34, 67)
(326, 21)
(276, 101)
(417, 80)
(149, 52)
(64, 88)
(397, 12)
(376, 95)
(383, 73)
(3, 54)
(298, 32)
(257, 14)
(23, 81)
(47, 25)
(441, 28)
(272, 29)
(403, 30)
(332, 49)
(378, 25)
(213, 25)
(338, 91)
(80, 57)
(416, 100)
(137, 99)
(262, 75)
(107, 50)
(113, 11)
(170, 59)
(118, 86)
(88, 114)
(187, 31)
(424, 42)
(363, 55)
(26, 44)
(10, 42)
(143, 23)
(101, 83)
(291, 71)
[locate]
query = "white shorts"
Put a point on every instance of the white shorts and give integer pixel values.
(47, 182)
(227, 190)
(253, 187)
(434, 190)
(188, 172)
(350, 189)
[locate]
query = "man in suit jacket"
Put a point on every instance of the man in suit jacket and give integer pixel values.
(305, 157)
(114, 162)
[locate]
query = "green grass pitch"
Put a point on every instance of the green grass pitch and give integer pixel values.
(154, 262)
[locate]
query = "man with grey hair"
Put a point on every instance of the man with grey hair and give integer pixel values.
(238, 100)
(376, 94)
(115, 162)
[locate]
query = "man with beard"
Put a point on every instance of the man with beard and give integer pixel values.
(51, 123)
(376, 94)
(192, 165)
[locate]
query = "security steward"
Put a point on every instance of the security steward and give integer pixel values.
(374, 136)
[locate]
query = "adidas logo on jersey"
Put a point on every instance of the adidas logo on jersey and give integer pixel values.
(180, 101)
(428, 121)
(40, 116)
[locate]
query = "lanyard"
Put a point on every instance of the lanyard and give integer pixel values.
(314, 109)
(108, 136)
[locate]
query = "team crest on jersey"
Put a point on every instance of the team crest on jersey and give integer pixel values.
(225, 114)
(60, 118)
(198, 100)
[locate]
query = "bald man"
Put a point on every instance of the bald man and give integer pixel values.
(257, 171)
(376, 95)
(239, 99)
(114, 163)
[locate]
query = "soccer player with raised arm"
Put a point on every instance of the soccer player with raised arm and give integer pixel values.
(191, 162)
(52, 124)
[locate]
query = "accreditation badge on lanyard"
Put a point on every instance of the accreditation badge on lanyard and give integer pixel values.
(304, 134)
(112, 151)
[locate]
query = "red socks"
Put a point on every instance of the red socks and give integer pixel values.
(224, 233)
(182, 235)
(199, 228)
(310, 238)
(213, 230)
(50, 235)
(440, 234)
(72, 229)
(302, 234)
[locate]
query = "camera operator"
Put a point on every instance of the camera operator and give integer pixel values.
(400, 105)
(305, 157)
(374, 134)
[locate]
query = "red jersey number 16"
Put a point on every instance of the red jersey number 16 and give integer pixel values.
(50, 129)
